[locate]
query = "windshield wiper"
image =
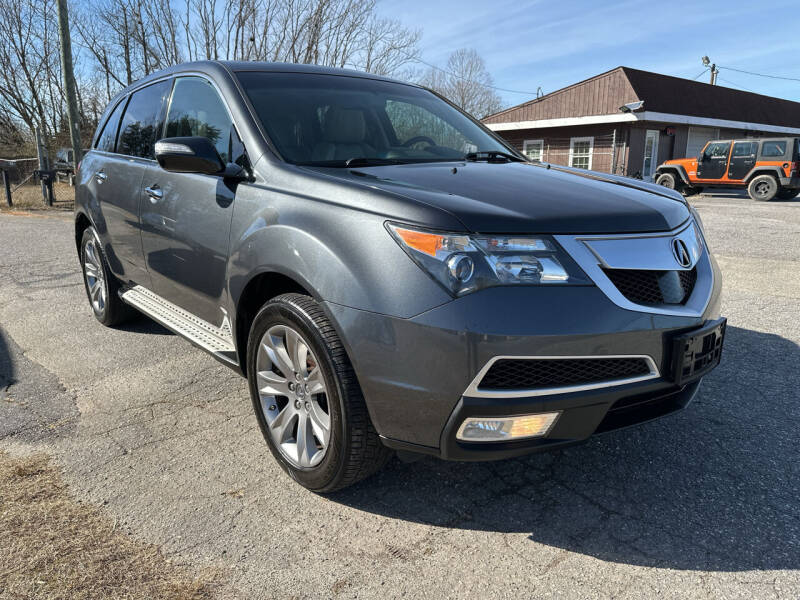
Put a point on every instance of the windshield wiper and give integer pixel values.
(492, 156)
(363, 161)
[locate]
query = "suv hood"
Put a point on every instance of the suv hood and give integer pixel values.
(528, 198)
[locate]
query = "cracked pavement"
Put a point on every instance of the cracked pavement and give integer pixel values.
(705, 503)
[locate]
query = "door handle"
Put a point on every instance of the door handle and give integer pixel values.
(155, 193)
(100, 177)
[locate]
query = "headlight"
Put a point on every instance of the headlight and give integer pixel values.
(464, 263)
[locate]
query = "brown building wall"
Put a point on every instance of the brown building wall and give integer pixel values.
(627, 146)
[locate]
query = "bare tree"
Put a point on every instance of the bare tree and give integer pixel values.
(116, 42)
(466, 83)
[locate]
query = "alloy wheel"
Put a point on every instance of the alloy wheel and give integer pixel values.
(95, 279)
(293, 396)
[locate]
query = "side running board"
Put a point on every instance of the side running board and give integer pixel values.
(216, 340)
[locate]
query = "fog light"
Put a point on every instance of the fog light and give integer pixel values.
(488, 429)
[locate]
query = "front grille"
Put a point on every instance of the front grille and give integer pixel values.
(534, 373)
(653, 287)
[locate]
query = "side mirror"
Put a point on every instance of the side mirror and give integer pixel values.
(189, 155)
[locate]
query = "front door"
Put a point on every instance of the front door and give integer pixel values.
(713, 162)
(743, 158)
(650, 154)
(186, 217)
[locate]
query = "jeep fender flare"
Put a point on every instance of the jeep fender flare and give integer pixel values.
(756, 171)
(677, 169)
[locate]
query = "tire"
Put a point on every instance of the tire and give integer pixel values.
(668, 180)
(102, 288)
(291, 410)
(787, 194)
(763, 188)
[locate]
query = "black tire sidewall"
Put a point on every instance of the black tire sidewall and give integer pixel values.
(763, 178)
(328, 471)
(667, 177)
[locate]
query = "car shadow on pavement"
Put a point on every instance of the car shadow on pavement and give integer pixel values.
(143, 324)
(6, 366)
(714, 488)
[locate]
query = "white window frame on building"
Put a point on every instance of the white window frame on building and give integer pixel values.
(532, 144)
(572, 155)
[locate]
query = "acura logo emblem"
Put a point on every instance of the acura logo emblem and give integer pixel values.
(681, 253)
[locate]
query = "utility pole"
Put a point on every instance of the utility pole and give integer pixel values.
(714, 70)
(69, 83)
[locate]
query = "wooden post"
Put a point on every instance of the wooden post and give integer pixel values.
(69, 82)
(7, 187)
(41, 153)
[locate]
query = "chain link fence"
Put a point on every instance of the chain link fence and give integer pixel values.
(25, 184)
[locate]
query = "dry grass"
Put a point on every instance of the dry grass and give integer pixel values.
(53, 547)
(29, 197)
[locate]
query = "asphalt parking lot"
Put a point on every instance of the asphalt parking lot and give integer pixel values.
(705, 503)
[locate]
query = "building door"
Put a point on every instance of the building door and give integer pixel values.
(743, 159)
(650, 155)
(698, 136)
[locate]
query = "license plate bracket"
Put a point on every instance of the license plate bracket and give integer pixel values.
(697, 352)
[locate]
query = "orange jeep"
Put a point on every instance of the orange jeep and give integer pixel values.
(768, 168)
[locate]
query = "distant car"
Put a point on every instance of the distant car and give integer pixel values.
(386, 272)
(64, 160)
(768, 168)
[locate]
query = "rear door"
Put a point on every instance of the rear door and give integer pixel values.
(124, 153)
(743, 158)
(713, 162)
(186, 217)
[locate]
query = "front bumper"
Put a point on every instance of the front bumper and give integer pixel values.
(415, 373)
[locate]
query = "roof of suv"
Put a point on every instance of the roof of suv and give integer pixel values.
(212, 67)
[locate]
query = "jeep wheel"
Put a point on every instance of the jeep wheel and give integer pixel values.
(787, 194)
(306, 397)
(101, 286)
(763, 188)
(667, 180)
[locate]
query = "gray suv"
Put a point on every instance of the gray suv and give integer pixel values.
(388, 274)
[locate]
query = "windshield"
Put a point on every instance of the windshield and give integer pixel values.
(328, 120)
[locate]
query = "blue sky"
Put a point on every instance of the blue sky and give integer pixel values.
(527, 44)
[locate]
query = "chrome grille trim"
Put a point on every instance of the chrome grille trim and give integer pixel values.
(474, 390)
(652, 254)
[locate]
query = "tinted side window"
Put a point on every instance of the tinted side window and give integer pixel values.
(108, 137)
(142, 124)
(197, 110)
(741, 149)
(717, 150)
(773, 148)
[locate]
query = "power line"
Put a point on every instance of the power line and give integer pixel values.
(699, 75)
(737, 85)
(761, 74)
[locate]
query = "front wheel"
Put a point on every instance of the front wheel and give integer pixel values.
(667, 180)
(306, 397)
(763, 188)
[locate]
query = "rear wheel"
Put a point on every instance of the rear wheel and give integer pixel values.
(102, 288)
(763, 188)
(306, 397)
(787, 194)
(668, 180)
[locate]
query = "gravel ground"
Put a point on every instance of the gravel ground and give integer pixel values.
(701, 504)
